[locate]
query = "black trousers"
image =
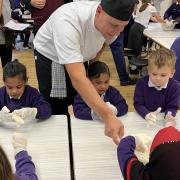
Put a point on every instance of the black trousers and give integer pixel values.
(43, 70)
(5, 53)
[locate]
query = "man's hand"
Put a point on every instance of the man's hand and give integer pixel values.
(114, 129)
(39, 4)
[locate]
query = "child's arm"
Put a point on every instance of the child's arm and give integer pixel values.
(168, 12)
(25, 168)
(127, 159)
(139, 103)
(172, 101)
(81, 109)
(118, 101)
(44, 110)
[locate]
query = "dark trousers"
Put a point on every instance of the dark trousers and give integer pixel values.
(118, 56)
(43, 70)
(5, 53)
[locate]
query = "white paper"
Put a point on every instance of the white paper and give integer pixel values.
(16, 26)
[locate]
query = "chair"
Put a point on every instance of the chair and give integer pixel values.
(176, 48)
(136, 60)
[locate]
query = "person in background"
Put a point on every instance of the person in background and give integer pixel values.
(20, 98)
(41, 11)
(22, 8)
(99, 75)
(25, 168)
(74, 34)
(173, 13)
(158, 91)
(6, 37)
(164, 160)
(136, 38)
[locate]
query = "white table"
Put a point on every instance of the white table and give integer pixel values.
(47, 144)
(95, 154)
(163, 38)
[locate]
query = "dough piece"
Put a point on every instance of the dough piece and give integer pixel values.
(17, 118)
(144, 156)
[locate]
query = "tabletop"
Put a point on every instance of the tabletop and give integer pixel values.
(47, 144)
(95, 154)
(163, 38)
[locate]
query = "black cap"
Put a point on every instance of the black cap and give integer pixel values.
(119, 9)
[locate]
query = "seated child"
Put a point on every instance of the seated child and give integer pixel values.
(173, 12)
(25, 168)
(164, 159)
(99, 75)
(20, 98)
(158, 91)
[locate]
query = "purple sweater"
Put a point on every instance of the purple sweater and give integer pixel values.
(174, 12)
(25, 168)
(30, 98)
(112, 95)
(148, 99)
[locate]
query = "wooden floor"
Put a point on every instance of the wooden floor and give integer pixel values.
(27, 58)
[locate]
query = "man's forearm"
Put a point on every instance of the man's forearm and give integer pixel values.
(1, 3)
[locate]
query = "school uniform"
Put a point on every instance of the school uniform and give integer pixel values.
(174, 12)
(112, 95)
(147, 98)
(30, 98)
(25, 168)
(164, 158)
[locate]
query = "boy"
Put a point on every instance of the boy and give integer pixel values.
(158, 91)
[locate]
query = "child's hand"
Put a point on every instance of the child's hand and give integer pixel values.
(26, 113)
(5, 114)
(170, 120)
(151, 117)
(140, 146)
(19, 142)
(112, 107)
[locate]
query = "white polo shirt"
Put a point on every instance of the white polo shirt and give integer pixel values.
(69, 35)
(144, 16)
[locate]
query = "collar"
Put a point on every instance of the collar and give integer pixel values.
(150, 84)
(13, 98)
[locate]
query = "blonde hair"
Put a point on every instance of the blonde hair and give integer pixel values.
(162, 57)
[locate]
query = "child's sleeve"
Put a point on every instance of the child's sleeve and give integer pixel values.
(139, 103)
(128, 161)
(118, 101)
(25, 168)
(81, 109)
(168, 12)
(44, 110)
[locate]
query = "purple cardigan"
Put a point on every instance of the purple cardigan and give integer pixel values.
(148, 99)
(112, 95)
(30, 98)
(25, 168)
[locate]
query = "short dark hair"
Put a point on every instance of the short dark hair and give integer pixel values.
(14, 68)
(97, 68)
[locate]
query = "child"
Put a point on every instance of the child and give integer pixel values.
(158, 91)
(164, 161)
(173, 12)
(20, 98)
(99, 75)
(25, 168)
(136, 37)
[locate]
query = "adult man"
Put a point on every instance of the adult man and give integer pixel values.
(75, 33)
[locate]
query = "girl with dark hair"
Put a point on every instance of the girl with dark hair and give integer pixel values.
(99, 75)
(25, 168)
(20, 98)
